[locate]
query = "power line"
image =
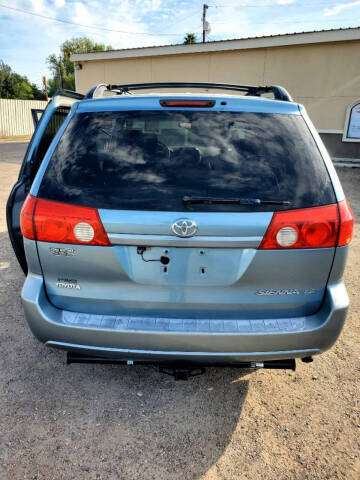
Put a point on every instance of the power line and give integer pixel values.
(271, 5)
(89, 26)
(249, 23)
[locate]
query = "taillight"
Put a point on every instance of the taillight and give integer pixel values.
(346, 223)
(316, 227)
(187, 103)
(27, 217)
(62, 223)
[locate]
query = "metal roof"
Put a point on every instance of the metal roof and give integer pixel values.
(316, 36)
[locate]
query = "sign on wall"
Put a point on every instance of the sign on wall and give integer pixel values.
(352, 123)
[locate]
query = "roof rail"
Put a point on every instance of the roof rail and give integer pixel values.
(69, 94)
(279, 92)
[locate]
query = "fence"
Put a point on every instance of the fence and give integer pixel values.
(15, 116)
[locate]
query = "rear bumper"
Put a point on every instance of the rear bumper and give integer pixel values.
(222, 341)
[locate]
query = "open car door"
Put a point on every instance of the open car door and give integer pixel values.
(47, 125)
(36, 115)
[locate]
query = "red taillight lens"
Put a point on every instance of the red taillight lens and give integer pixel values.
(188, 103)
(27, 217)
(306, 228)
(346, 223)
(317, 233)
(63, 223)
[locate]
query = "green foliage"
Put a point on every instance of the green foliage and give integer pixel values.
(61, 66)
(13, 85)
(37, 92)
(190, 38)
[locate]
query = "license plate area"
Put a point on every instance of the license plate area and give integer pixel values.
(185, 266)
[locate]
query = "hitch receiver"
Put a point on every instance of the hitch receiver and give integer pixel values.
(182, 370)
(182, 373)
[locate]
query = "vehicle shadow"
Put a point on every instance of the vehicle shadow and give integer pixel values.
(106, 422)
(126, 422)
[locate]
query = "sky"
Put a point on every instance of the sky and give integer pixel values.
(26, 40)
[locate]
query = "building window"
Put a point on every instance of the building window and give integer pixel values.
(352, 123)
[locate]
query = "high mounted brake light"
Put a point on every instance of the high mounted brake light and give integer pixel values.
(49, 221)
(187, 103)
(318, 227)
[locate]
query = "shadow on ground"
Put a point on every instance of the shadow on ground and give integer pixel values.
(93, 421)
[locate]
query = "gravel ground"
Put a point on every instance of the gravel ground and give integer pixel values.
(105, 422)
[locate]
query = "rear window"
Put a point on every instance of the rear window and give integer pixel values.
(150, 160)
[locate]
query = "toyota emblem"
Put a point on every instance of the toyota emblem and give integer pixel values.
(184, 228)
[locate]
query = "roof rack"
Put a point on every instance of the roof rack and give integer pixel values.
(279, 92)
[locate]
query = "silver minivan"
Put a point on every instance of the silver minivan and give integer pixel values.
(194, 228)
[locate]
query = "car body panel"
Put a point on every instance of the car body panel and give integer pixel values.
(232, 103)
(237, 282)
(128, 227)
(339, 192)
(178, 339)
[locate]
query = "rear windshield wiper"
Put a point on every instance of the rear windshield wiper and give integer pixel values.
(231, 201)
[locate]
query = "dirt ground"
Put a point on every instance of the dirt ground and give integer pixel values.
(128, 423)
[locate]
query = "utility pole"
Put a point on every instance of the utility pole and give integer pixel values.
(60, 78)
(46, 89)
(205, 7)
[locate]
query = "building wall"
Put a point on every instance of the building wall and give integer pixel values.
(15, 116)
(324, 77)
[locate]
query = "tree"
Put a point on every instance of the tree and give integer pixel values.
(39, 94)
(6, 84)
(62, 68)
(13, 85)
(190, 38)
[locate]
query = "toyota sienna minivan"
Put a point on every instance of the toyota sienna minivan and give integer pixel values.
(181, 227)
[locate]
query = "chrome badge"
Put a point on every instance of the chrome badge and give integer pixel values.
(62, 251)
(184, 228)
(67, 283)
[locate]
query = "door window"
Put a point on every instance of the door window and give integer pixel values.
(51, 130)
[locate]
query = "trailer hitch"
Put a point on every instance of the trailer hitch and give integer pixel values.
(182, 373)
(182, 370)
